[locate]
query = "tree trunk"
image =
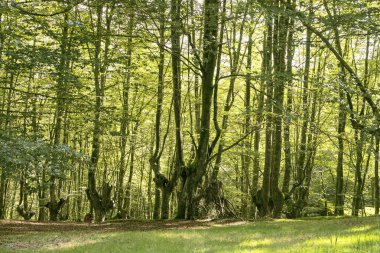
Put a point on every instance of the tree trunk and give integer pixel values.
(268, 125)
(124, 131)
(357, 194)
(2, 194)
(300, 193)
(101, 203)
(128, 194)
(377, 191)
(234, 54)
(279, 51)
(342, 114)
(196, 170)
(289, 107)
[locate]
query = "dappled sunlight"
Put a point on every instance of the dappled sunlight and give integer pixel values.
(82, 240)
(289, 220)
(236, 223)
(335, 235)
(71, 243)
(189, 235)
(338, 243)
(343, 241)
(54, 241)
(360, 229)
(256, 243)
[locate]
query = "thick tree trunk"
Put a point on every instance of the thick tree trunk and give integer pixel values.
(101, 203)
(279, 51)
(157, 203)
(211, 18)
(166, 192)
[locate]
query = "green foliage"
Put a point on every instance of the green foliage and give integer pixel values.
(21, 154)
(47, 74)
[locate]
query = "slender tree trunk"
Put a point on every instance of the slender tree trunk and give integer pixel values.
(357, 195)
(247, 156)
(258, 126)
(377, 191)
(125, 121)
(2, 193)
(339, 196)
(156, 155)
(342, 115)
(128, 194)
(235, 54)
(268, 125)
(289, 107)
(8, 130)
(300, 193)
(53, 205)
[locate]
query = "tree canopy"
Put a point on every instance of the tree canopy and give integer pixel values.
(158, 109)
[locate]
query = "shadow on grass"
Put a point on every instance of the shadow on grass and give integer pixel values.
(294, 236)
(312, 235)
(315, 235)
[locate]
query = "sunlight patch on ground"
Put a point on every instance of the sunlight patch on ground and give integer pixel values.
(46, 241)
(360, 229)
(184, 236)
(289, 220)
(256, 243)
(70, 244)
(306, 236)
(345, 241)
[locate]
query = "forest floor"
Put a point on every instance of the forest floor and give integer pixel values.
(327, 234)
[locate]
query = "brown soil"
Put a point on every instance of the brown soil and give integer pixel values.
(12, 233)
(22, 227)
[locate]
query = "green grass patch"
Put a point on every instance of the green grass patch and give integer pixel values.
(305, 235)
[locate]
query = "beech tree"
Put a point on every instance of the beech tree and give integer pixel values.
(188, 109)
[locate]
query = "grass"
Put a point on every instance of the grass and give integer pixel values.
(305, 235)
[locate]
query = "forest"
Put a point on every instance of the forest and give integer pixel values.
(189, 109)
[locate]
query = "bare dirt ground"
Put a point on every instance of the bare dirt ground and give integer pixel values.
(22, 227)
(25, 235)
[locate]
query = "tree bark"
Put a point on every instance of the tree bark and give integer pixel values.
(124, 130)
(279, 51)
(342, 114)
(196, 170)
(289, 107)
(377, 190)
(101, 203)
(268, 49)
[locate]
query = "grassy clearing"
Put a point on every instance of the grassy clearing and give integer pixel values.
(309, 235)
